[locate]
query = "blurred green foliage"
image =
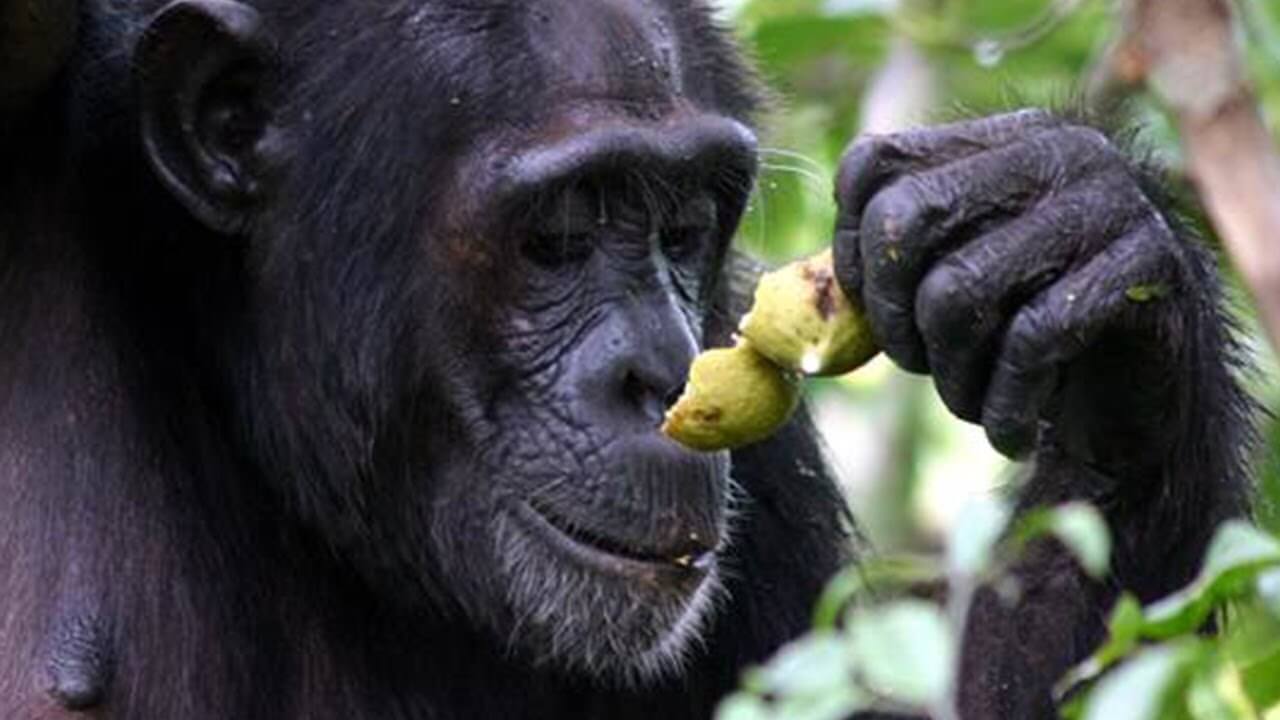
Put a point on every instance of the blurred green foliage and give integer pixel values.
(901, 654)
(834, 64)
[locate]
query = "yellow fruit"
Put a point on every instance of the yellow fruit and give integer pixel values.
(802, 321)
(734, 397)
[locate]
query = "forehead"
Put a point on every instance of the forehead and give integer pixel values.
(550, 49)
(607, 46)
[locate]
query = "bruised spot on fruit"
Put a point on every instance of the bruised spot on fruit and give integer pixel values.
(802, 320)
(824, 285)
(709, 415)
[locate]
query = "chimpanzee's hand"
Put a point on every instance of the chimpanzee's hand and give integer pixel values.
(1018, 260)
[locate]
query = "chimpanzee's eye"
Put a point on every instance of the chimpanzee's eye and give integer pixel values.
(565, 231)
(692, 229)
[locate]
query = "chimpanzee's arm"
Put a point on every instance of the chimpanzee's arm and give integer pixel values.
(1025, 263)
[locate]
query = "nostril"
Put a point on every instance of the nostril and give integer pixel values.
(633, 389)
(648, 397)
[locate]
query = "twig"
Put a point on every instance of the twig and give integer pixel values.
(1187, 52)
(902, 92)
(959, 606)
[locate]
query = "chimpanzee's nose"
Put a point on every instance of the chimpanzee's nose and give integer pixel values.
(651, 393)
(630, 366)
(649, 371)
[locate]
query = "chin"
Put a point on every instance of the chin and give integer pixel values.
(609, 572)
(589, 609)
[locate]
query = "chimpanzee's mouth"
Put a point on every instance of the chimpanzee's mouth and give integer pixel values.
(680, 563)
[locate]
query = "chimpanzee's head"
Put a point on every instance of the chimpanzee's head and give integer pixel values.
(480, 242)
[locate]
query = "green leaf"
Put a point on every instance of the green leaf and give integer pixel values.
(1078, 526)
(1260, 678)
(816, 663)
(1267, 586)
(843, 587)
(742, 706)
(1251, 634)
(835, 703)
(1145, 687)
(891, 573)
(1123, 629)
(809, 679)
(904, 650)
(1216, 693)
(1146, 293)
(1072, 708)
(1236, 555)
(969, 550)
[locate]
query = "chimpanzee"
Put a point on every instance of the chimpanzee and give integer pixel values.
(337, 335)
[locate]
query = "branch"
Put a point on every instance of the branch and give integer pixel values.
(902, 92)
(1186, 51)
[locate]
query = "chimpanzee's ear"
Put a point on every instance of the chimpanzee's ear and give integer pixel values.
(203, 69)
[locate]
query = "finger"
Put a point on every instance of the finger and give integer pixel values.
(871, 161)
(920, 217)
(966, 298)
(1119, 288)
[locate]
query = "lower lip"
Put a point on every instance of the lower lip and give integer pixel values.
(661, 573)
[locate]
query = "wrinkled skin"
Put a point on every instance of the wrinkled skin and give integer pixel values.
(1018, 260)
(341, 333)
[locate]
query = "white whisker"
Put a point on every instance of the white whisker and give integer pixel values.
(812, 164)
(817, 183)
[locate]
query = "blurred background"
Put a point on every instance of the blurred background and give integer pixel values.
(841, 67)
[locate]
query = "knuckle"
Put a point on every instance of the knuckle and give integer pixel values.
(1025, 118)
(943, 302)
(1155, 230)
(892, 324)
(1122, 203)
(1152, 249)
(1168, 259)
(1086, 138)
(1068, 155)
(995, 129)
(1029, 116)
(1090, 146)
(1028, 333)
(863, 147)
(893, 216)
(847, 258)
(861, 158)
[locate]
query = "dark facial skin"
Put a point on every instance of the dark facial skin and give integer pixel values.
(612, 238)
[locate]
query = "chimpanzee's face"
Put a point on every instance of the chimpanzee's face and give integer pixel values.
(480, 260)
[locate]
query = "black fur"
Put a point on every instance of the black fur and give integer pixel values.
(286, 346)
